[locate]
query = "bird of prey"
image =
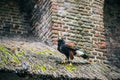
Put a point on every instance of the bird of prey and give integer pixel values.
(69, 50)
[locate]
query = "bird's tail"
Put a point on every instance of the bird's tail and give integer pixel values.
(79, 53)
(82, 54)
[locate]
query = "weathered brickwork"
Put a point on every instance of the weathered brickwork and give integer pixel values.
(112, 27)
(65, 20)
(12, 21)
(81, 21)
(42, 19)
(97, 29)
(89, 23)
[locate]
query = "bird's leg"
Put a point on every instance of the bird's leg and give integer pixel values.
(70, 62)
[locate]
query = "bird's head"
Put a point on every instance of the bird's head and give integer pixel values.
(61, 41)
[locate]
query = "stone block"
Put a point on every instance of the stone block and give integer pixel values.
(102, 45)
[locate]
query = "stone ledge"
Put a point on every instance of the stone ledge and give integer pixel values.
(39, 60)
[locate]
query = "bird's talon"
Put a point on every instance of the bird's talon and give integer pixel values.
(70, 64)
(64, 61)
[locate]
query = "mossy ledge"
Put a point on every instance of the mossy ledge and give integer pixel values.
(36, 61)
(11, 75)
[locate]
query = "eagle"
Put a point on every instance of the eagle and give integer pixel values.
(69, 50)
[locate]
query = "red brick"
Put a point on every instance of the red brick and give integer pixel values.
(95, 46)
(55, 32)
(103, 45)
(96, 35)
(55, 10)
(100, 29)
(55, 28)
(105, 54)
(65, 27)
(102, 36)
(94, 53)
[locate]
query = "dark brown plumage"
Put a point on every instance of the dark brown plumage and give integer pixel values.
(69, 50)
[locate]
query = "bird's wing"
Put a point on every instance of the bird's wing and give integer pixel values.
(70, 45)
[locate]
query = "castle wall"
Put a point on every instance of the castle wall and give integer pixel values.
(42, 19)
(112, 27)
(92, 24)
(12, 20)
(81, 21)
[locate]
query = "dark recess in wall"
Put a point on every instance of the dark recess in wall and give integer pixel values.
(112, 27)
(15, 17)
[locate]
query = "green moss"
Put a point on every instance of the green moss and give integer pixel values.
(5, 61)
(15, 59)
(70, 68)
(21, 53)
(46, 51)
(37, 67)
(31, 49)
(43, 52)
(40, 53)
(54, 52)
(6, 51)
(43, 68)
(8, 54)
(1, 65)
(54, 69)
(104, 69)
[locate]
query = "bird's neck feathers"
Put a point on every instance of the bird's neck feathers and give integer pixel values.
(61, 42)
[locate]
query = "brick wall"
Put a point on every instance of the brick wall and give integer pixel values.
(97, 30)
(86, 22)
(112, 27)
(77, 20)
(12, 20)
(82, 22)
(65, 20)
(42, 19)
